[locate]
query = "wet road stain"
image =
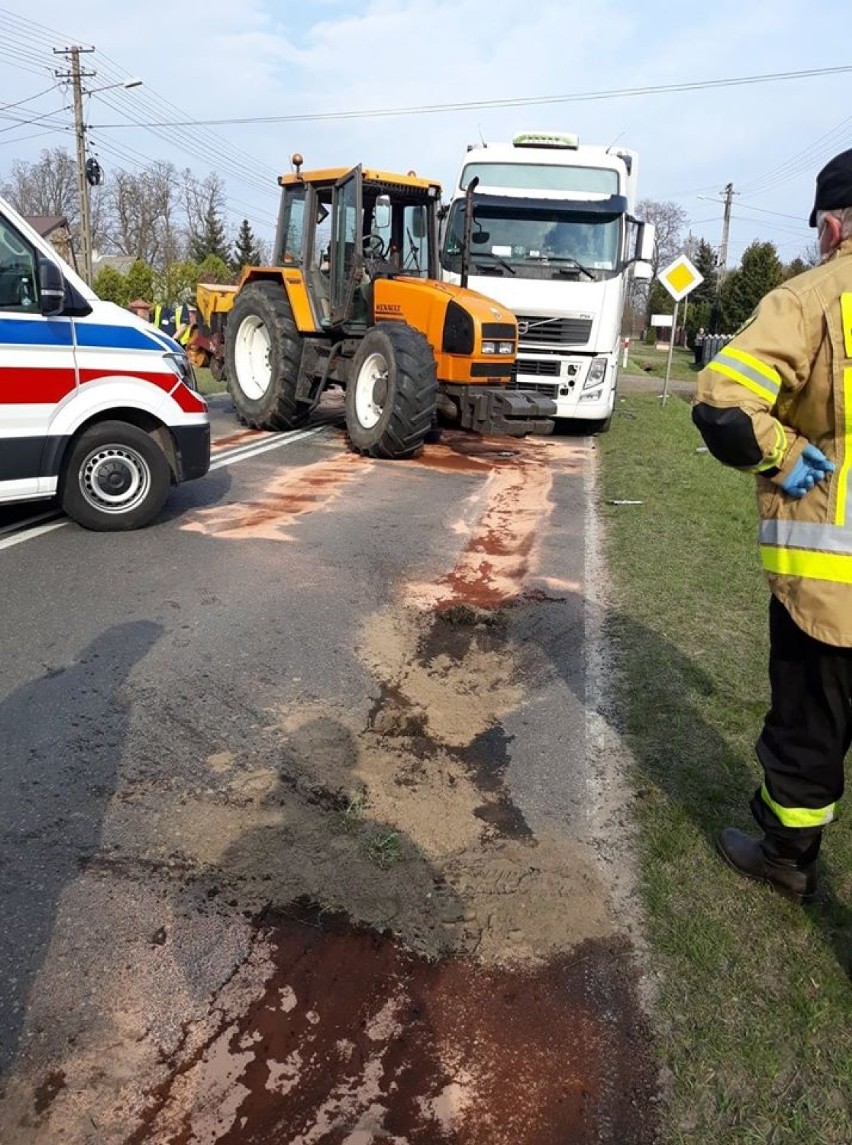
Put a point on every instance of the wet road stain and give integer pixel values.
(502, 550)
(286, 496)
(243, 436)
(356, 1040)
(49, 1090)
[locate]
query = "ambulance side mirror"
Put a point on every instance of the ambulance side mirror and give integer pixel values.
(51, 287)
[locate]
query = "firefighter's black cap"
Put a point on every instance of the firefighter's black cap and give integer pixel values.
(833, 186)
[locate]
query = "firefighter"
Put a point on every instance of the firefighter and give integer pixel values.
(776, 401)
(164, 319)
(186, 318)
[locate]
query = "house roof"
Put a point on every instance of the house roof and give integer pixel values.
(46, 224)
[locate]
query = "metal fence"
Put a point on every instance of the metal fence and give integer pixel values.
(713, 343)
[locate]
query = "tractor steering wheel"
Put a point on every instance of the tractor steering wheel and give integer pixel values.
(374, 246)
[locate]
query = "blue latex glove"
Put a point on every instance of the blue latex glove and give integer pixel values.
(811, 467)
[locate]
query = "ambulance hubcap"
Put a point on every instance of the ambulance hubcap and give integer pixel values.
(115, 479)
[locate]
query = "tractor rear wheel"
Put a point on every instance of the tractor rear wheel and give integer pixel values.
(391, 391)
(263, 358)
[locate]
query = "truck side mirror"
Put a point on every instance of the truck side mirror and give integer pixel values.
(645, 242)
(51, 287)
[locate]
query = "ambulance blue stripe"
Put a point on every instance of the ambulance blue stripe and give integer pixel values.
(93, 336)
(37, 331)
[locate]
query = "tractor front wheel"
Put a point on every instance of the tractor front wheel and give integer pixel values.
(391, 391)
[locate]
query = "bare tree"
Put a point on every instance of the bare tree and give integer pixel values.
(204, 204)
(144, 214)
(669, 221)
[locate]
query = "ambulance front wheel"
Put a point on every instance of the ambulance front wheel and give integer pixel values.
(117, 477)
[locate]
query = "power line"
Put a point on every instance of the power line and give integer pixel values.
(476, 105)
(29, 99)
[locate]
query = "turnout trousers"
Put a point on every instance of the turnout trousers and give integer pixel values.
(805, 737)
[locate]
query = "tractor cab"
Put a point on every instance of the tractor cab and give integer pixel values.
(345, 229)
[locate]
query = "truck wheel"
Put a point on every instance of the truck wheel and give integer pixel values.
(263, 358)
(391, 391)
(117, 477)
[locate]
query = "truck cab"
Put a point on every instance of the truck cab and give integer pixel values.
(554, 238)
(97, 407)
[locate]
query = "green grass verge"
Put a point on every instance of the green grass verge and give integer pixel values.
(207, 384)
(646, 360)
(754, 1009)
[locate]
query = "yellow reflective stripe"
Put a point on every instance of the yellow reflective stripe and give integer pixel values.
(773, 460)
(769, 372)
(841, 481)
(806, 563)
(735, 376)
(846, 317)
(799, 816)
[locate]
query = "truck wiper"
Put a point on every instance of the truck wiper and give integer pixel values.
(497, 258)
(574, 263)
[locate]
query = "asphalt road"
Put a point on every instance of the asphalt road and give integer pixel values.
(317, 684)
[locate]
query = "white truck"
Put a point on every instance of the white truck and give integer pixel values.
(547, 227)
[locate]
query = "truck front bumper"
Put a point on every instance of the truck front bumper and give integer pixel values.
(512, 413)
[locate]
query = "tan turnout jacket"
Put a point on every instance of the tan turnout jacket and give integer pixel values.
(783, 381)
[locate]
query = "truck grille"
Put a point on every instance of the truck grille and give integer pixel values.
(544, 331)
(547, 388)
(531, 366)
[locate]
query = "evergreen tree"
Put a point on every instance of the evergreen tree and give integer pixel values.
(214, 269)
(705, 264)
(246, 251)
(797, 266)
(140, 281)
(210, 238)
(759, 272)
(112, 286)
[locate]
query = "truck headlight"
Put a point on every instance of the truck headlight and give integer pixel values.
(596, 374)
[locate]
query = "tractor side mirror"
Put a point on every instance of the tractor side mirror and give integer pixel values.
(382, 213)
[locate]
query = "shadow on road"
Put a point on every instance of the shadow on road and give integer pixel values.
(63, 737)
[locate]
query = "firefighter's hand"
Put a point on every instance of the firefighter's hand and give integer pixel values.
(811, 467)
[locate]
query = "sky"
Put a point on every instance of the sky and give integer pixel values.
(339, 67)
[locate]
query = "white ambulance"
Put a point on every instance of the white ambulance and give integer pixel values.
(97, 407)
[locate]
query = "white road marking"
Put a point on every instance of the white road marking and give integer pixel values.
(19, 538)
(21, 531)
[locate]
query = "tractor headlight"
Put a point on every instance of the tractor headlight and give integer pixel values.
(505, 347)
(489, 347)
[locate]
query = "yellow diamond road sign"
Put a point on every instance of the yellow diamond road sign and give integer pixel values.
(679, 277)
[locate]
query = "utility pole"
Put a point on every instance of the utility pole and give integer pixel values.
(726, 226)
(76, 76)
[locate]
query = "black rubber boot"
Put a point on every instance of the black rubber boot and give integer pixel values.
(760, 859)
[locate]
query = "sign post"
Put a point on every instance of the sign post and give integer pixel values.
(679, 278)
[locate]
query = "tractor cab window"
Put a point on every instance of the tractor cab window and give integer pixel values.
(347, 258)
(415, 240)
(291, 227)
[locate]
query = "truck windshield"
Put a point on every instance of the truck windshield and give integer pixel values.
(540, 241)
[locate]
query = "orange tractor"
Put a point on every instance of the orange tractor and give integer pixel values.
(354, 300)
